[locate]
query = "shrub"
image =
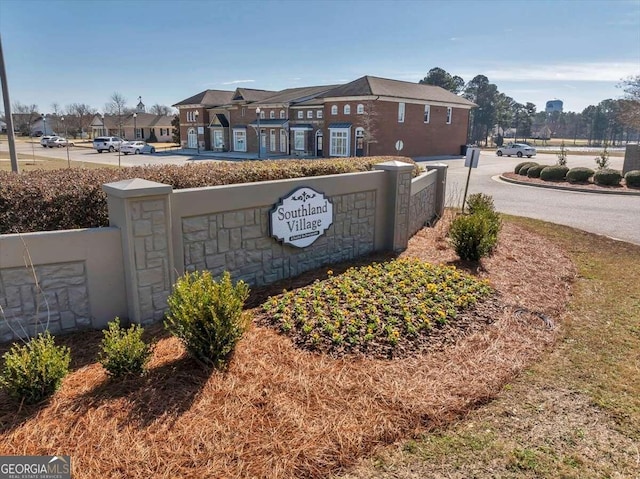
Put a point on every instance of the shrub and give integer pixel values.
(554, 173)
(34, 371)
(152, 137)
(632, 178)
(607, 177)
(207, 315)
(602, 160)
(84, 205)
(474, 236)
(562, 155)
(534, 171)
(123, 352)
(516, 169)
(524, 169)
(479, 202)
(579, 174)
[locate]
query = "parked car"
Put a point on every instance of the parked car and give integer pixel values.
(45, 139)
(107, 143)
(137, 147)
(518, 149)
(59, 142)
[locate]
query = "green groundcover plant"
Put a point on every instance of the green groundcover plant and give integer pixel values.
(379, 304)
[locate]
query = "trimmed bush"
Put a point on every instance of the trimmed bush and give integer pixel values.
(632, 178)
(34, 371)
(207, 316)
(516, 169)
(607, 177)
(479, 202)
(524, 169)
(534, 171)
(474, 236)
(579, 174)
(83, 204)
(123, 352)
(554, 173)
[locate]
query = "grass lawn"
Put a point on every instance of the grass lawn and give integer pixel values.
(472, 407)
(26, 162)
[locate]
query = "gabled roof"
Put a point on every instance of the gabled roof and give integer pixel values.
(291, 95)
(250, 95)
(375, 86)
(208, 98)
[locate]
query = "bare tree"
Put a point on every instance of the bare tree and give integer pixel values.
(370, 124)
(28, 114)
(79, 116)
(56, 112)
(117, 107)
(158, 109)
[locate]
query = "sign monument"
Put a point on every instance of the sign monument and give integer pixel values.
(301, 217)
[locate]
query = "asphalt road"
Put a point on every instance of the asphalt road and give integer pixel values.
(616, 216)
(612, 215)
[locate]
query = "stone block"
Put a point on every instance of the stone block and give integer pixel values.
(58, 283)
(249, 218)
(235, 238)
(216, 261)
(61, 270)
(223, 241)
(202, 235)
(159, 243)
(67, 320)
(160, 301)
(196, 253)
(210, 247)
(147, 277)
(153, 205)
(79, 300)
(142, 228)
(17, 276)
(157, 218)
(234, 219)
(196, 223)
(251, 232)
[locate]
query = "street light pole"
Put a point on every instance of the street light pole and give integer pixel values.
(44, 125)
(104, 125)
(135, 129)
(258, 132)
(197, 114)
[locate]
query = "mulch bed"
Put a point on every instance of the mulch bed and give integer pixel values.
(280, 412)
(623, 188)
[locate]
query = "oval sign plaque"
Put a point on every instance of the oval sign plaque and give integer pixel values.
(301, 217)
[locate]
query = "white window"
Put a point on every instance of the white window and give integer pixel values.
(272, 114)
(282, 117)
(300, 114)
(400, 112)
(334, 109)
(239, 140)
(360, 109)
(243, 110)
(263, 139)
(427, 113)
(298, 140)
(283, 141)
(339, 142)
(347, 110)
(138, 133)
(272, 140)
(449, 111)
(191, 116)
(309, 114)
(262, 115)
(319, 114)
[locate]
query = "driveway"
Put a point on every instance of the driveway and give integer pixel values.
(612, 215)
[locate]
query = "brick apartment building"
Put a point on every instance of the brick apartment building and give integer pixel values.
(364, 117)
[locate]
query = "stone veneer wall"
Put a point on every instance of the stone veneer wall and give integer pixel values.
(53, 297)
(423, 206)
(240, 242)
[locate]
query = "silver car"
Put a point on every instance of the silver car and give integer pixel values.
(107, 143)
(137, 147)
(518, 149)
(59, 142)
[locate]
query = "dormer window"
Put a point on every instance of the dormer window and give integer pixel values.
(282, 117)
(347, 109)
(334, 109)
(272, 115)
(360, 109)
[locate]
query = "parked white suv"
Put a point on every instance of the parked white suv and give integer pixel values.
(107, 143)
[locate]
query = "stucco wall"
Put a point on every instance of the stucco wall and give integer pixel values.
(62, 280)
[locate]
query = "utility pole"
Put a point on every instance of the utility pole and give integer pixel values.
(7, 112)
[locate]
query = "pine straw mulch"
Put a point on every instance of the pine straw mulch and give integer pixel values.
(279, 412)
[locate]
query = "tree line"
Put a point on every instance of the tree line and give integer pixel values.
(610, 122)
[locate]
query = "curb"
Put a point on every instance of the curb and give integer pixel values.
(569, 188)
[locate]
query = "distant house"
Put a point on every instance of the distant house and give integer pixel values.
(367, 116)
(140, 127)
(33, 124)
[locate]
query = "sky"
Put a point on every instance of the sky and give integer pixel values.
(165, 51)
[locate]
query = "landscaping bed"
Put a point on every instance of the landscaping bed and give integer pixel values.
(622, 188)
(280, 411)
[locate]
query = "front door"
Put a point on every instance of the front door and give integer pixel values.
(359, 142)
(192, 138)
(319, 143)
(263, 143)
